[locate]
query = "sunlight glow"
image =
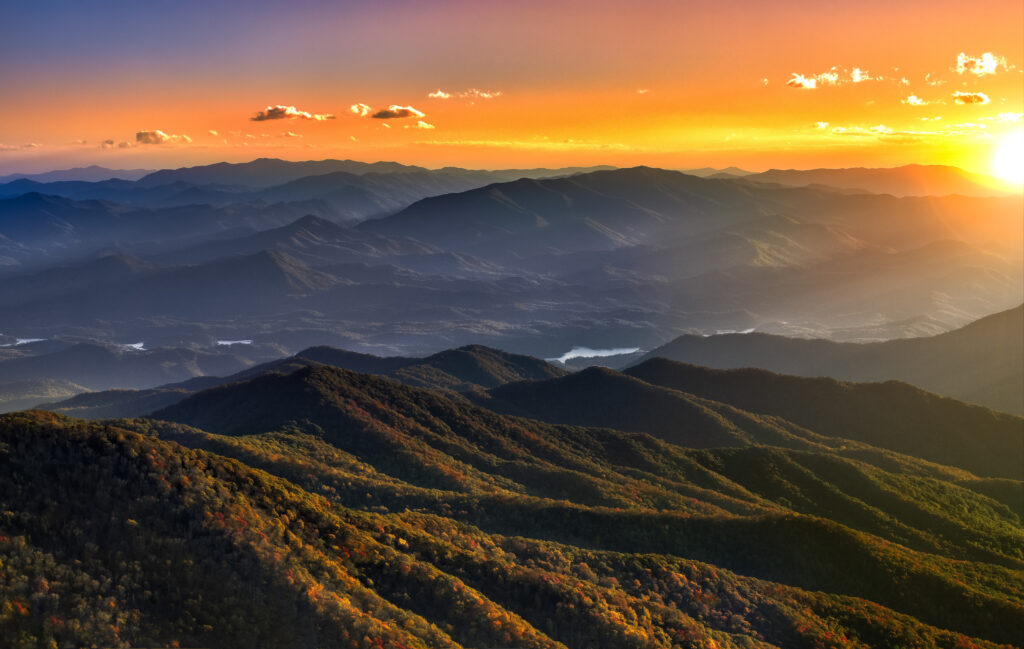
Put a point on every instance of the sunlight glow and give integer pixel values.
(1008, 159)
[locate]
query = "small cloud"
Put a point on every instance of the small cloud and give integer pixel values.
(857, 75)
(931, 80)
(914, 100)
(19, 147)
(642, 91)
(979, 66)
(970, 97)
(904, 81)
(386, 125)
(439, 94)
(829, 78)
(360, 109)
(800, 81)
(107, 144)
(1006, 118)
(289, 134)
(287, 112)
(159, 137)
(352, 137)
(422, 124)
(80, 142)
(397, 112)
(124, 145)
(474, 93)
(764, 81)
(821, 125)
(213, 132)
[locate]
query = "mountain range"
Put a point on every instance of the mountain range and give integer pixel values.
(980, 363)
(367, 512)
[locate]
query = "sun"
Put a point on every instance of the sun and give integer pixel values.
(1008, 159)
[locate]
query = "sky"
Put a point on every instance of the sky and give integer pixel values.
(482, 84)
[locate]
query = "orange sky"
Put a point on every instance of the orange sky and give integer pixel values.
(673, 84)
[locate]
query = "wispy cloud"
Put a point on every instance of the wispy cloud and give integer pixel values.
(857, 75)
(833, 77)
(1006, 118)
(475, 93)
(289, 134)
(422, 124)
(970, 97)
(287, 112)
(987, 63)
(213, 132)
(159, 137)
(472, 93)
(397, 112)
(800, 81)
(20, 147)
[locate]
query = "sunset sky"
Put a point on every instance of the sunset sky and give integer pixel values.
(511, 84)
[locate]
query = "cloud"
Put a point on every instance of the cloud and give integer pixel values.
(397, 112)
(422, 124)
(107, 144)
(1006, 118)
(360, 109)
(289, 134)
(857, 75)
(159, 137)
(439, 94)
(474, 93)
(764, 81)
(821, 125)
(979, 66)
(19, 147)
(80, 141)
(287, 112)
(914, 100)
(970, 97)
(642, 91)
(213, 132)
(800, 81)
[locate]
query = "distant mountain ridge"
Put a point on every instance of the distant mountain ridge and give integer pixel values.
(909, 180)
(92, 173)
(982, 362)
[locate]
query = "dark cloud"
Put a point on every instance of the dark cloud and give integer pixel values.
(970, 97)
(396, 112)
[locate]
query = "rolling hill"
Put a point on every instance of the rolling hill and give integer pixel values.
(367, 510)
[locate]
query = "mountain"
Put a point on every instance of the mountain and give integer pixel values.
(613, 209)
(20, 395)
(267, 172)
(909, 180)
(101, 367)
(424, 440)
(197, 549)
(468, 368)
(890, 415)
(981, 363)
(92, 173)
(711, 172)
